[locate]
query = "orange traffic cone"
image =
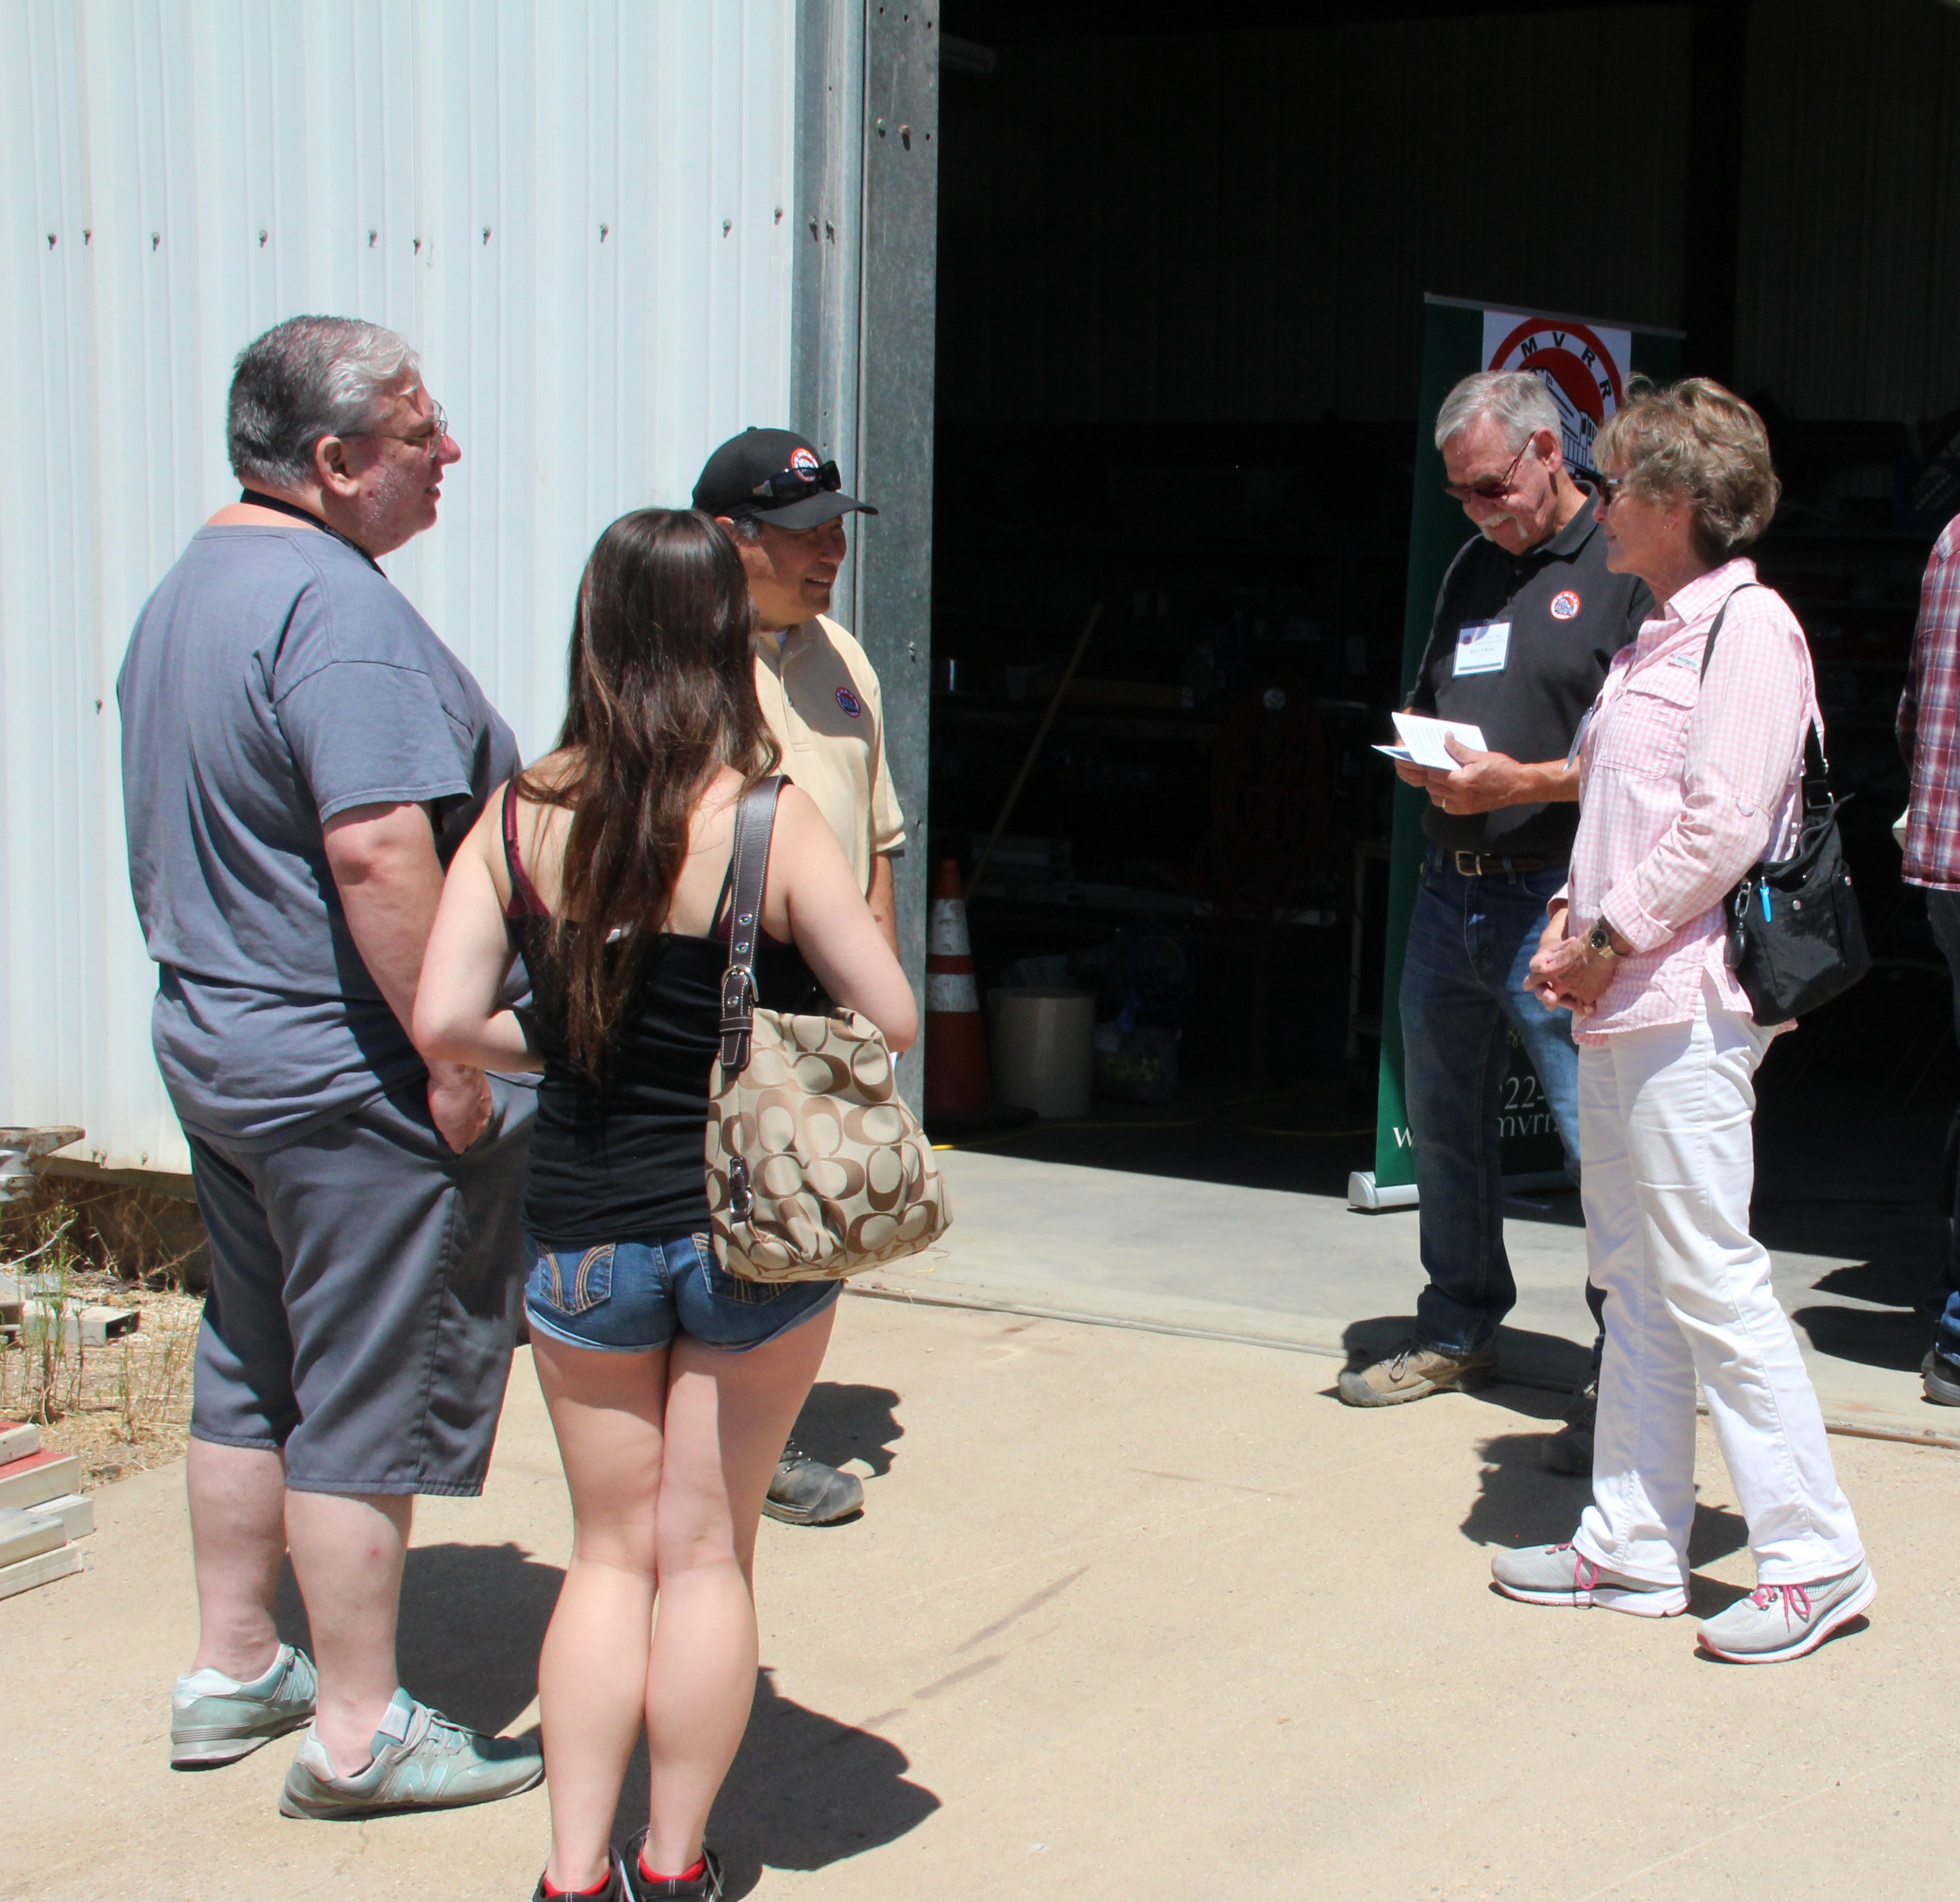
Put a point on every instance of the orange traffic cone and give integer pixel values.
(956, 1081)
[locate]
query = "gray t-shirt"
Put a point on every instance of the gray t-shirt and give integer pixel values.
(275, 679)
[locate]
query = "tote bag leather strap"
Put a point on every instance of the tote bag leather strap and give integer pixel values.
(754, 825)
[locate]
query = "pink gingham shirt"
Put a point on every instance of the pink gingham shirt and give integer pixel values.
(1929, 723)
(1683, 784)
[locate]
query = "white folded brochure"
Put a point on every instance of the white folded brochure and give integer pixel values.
(1422, 741)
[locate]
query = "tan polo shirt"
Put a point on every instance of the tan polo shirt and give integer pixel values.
(821, 700)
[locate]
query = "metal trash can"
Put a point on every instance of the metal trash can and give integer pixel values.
(1042, 1049)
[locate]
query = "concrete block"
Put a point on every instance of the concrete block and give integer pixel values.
(17, 1439)
(93, 1326)
(38, 1478)
(24, 1574)
(26, 1535)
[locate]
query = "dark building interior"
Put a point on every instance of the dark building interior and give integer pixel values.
(1182, 273)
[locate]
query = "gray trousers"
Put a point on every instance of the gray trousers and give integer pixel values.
(365, 1286)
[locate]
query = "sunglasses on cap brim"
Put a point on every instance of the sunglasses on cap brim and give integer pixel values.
(795, 485)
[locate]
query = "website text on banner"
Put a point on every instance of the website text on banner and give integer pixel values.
(1585, 364)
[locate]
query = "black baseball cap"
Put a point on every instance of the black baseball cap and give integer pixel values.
(776, 477)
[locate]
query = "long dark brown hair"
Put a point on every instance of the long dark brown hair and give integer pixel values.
(662, 696)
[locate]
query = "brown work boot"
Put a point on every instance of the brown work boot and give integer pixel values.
(1413, 1370)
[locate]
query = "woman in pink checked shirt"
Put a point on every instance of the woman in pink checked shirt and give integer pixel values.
(1690, 766)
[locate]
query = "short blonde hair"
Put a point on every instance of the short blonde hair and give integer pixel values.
(1698, 442)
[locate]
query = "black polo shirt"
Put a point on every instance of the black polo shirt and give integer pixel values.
(1567, 616)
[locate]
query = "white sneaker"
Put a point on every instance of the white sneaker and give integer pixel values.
(1556, 1575)
(1778, 1621)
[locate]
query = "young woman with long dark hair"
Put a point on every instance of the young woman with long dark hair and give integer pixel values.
(671, 1384)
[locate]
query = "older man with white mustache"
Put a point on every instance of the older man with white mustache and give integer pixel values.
(1527, 622)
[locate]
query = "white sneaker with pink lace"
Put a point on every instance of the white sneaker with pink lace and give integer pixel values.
(1556, 1575)
(1780, 1621)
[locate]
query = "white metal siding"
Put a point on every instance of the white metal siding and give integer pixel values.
(578, 211)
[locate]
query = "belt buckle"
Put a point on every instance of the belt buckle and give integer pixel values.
(1469, 865)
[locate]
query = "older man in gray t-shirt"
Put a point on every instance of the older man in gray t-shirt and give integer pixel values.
(301, 756)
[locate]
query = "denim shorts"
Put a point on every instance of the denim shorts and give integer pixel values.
(634, 1297)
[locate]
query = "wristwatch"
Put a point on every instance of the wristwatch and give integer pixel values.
(1599, 940)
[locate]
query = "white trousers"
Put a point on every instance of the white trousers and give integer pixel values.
(1669, 1163)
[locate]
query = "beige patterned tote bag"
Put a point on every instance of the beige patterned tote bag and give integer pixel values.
(816, 1168)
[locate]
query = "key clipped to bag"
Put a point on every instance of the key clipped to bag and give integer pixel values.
(817, 1169)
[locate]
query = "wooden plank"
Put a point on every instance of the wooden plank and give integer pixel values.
(76, 1512)
(40, 1476)
(26, 1535)
(26, 1573)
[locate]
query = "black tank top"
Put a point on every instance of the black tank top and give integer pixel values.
(621, 1157)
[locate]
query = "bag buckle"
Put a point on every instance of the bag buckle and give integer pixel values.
(741, 1196)
(738, 1014)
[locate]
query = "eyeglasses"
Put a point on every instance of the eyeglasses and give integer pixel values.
(1489, 489)
(429, 440)
(794, 484)
(1612, 488)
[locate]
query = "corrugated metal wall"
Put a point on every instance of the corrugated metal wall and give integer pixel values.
(1848, 302)
(579, 210)
(1226, 226)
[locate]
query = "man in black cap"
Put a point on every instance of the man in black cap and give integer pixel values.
(783, 506)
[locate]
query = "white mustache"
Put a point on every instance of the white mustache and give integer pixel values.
(1488, 527)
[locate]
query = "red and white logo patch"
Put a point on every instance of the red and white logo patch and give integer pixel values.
(1565, 605)
(804, 462)
(849, 702)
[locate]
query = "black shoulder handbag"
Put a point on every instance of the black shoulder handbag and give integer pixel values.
(1795, 939)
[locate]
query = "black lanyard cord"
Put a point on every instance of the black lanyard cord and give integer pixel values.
(259, 499)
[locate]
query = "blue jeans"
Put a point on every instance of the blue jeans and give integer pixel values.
(634, 1297)
(1470, 941)
(1941, 1300)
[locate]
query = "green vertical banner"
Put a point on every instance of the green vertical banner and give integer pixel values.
(1584, 364)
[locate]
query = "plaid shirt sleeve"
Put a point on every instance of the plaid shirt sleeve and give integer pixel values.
(1929, 723)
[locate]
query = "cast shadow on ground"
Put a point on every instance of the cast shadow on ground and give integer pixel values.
(473, 1618)
(806, 1791)
(841, 1421)
(1548, 1362)
(1521, 1504)
(1893, 1338)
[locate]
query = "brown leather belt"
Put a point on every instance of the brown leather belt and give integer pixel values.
(1483, 864)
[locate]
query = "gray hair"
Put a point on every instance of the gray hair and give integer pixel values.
(1517, 402)
(308, 378)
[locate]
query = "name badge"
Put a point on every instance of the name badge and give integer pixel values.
(1481, 647)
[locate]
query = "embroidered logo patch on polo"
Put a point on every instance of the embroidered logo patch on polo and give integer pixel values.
(849, 702)
(1565, 605)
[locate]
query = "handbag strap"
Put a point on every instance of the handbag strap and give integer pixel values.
(1815, 766)
(749, 865)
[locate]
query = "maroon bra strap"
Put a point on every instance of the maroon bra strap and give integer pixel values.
(525, 902)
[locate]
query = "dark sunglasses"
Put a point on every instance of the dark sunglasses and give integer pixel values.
(793, 485)
(1492, 488)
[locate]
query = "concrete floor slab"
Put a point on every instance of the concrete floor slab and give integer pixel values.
(1127, 1617)
(1306, 1271)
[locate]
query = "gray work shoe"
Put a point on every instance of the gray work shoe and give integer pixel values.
(1556, 1575)
(805, 1492)
(1776, 1622)
(1413, 1371)
(1941, 1378)
(1570, 1450)
(216, 1719)
(421, 1761)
